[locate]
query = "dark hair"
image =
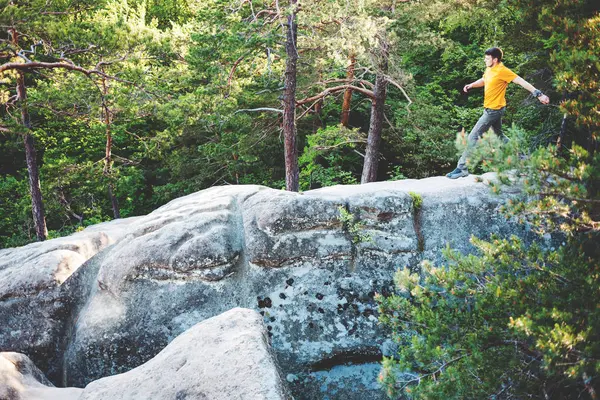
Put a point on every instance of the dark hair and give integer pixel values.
(495, 52)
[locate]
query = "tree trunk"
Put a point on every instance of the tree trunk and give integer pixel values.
(371, 162)
(289, 103)
(318, 123)
(107, 171)
(37, 203)
(561, 134)
(113, 201)
(348, 93)
(236, 157)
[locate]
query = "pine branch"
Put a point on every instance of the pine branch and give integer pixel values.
(51, 65)
(390, 80)
(336, 89)
(66, 12)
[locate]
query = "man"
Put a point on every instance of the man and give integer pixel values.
(495, 80)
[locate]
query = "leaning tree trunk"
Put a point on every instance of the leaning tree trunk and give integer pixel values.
(371, 162)
(107, 171)
(289, 103)
(348, 93)
(37, 204)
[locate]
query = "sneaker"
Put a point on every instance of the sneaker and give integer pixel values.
(457, 173)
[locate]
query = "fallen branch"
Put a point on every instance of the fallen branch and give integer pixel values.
(270, 90)
(308, 109)
(77, 51)
(123, 160)
(32, 51)
(235, 65)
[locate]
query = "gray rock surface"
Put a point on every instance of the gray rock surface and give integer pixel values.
(20, 379)
(339, 382)
(227, 357)
(288, 256)
(33, 305)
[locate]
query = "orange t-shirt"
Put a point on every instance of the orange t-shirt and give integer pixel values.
(496, 79)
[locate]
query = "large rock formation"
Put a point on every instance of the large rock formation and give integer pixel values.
(226, 357)
(293, 257)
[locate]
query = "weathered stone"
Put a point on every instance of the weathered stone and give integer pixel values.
(339, 382)
(33, 306)
(225, 357)
(20, 379)
(179, 259)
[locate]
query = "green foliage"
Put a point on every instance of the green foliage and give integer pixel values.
(352, 226)
(560, 187)
(572, 35)
(396, 174)
(15, 212)
(514, 321)
(417, 200)
(490, 150)
(328, 158)
(423, 146)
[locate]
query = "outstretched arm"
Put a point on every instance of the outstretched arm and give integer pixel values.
(477, 83)
(529, 87)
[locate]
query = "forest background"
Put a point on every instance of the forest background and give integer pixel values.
(163, 117)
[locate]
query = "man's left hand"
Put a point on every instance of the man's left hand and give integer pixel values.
(544, 99)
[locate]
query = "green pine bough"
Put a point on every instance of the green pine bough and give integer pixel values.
(514, 320)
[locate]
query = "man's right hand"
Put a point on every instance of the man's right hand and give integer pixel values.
(466, 88)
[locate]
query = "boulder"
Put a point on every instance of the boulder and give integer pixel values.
(34, 308)
(176, 260)
(226, 357)
(20, 379)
